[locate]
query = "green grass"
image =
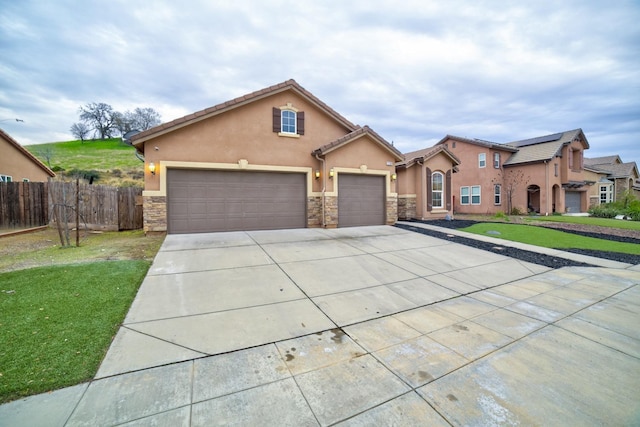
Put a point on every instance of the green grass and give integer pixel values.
(56, 323)
(114, 160)
(549, 238)
(98, 154)
(603, 222)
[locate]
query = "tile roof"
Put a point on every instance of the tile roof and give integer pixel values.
(475, 141)
(427, 153)
(365, 130)
(236, 102)
(24, 151)
(605, 160)
(621, 170)
(542, 148)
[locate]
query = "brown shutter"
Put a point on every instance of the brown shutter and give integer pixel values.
(429, 193)
(277, 121)
(300, 122)
(447, 190)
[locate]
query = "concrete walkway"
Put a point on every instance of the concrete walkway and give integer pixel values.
(360, 326)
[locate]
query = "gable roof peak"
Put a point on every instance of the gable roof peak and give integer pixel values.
(290, 84)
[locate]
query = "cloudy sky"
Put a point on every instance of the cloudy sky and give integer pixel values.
(414, 71)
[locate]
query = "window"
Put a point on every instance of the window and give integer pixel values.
(497, 194)
(606, 195)
(464, 195)
(482, 160)
(555, 168)
(475, 195)
(496, 160)
(25, 179)
(437, 189)
(5, 178)
(470, 194)
(288, 121)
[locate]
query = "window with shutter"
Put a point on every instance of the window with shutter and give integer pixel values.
(288, 121)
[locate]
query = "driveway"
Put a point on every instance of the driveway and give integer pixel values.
(368, 325)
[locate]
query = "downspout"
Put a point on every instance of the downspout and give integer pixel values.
(324, 186)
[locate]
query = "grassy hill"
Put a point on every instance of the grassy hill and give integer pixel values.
(113, 161)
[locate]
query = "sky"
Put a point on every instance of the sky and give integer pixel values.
(414, 71)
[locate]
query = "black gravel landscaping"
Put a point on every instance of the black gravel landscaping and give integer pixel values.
(533, 257)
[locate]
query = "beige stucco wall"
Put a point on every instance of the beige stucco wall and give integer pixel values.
(18, 166)
(412, 188)
(243, 138)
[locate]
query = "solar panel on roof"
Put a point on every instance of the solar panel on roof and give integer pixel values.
(538, 140)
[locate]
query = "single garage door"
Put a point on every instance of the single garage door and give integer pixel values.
(200, 201)
(572, 201)
(361, 200)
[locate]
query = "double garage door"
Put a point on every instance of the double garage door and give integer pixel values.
(200, 201)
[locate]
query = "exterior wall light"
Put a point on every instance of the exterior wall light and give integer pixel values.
(152, 168)
(331, 173)
(317, 174)
(394, 177)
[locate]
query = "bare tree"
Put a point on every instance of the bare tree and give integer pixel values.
(46, 152)
(511, 181)
(144, 118)
(80, 131)
(99, 116)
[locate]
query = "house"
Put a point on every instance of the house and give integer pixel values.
(275, 158)
(613, 179)
(425, 183)
(18, 164)
(543, 174)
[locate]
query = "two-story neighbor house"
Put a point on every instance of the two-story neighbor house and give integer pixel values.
(613, 178)
(275, 158)
(543, 174)
(18, 164)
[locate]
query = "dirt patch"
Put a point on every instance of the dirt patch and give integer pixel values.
(41, 248)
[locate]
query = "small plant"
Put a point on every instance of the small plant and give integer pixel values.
(501, 216)
(515, 211)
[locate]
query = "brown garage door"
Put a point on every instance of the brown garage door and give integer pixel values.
(361, 200)
(201, 201)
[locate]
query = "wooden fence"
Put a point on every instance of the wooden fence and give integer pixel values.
(31, 204)
(23, 204)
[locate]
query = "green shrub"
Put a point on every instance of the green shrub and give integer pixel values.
(604, 211)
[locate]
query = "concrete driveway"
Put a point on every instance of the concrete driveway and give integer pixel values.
(369, 325)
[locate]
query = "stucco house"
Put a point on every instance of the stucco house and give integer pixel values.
(613, 178)
(275, 158)
(543, 174)
(425, 183)
(18, 164)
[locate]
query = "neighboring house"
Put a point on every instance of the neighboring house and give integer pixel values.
(477, 187)
(425, 183)
(543, 174)
(276, 158)
(17, 164)
(613, 178)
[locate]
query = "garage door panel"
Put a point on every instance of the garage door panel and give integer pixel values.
(204, 201)
(361, 200)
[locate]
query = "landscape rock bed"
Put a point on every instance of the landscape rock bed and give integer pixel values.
(534, 257)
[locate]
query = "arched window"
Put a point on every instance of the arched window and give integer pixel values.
(437, 190)
(288, 121)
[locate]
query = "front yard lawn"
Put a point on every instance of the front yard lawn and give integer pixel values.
(57, 322)
(589, 220)
(550, 238)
